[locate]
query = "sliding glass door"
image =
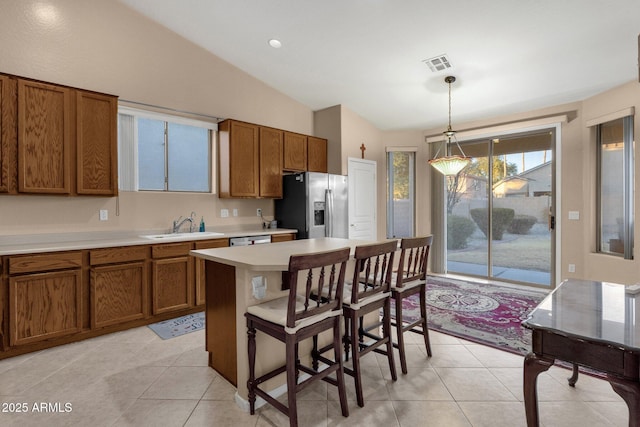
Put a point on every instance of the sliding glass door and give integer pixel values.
(499, 210)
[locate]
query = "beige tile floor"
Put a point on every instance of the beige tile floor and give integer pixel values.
(133, 378)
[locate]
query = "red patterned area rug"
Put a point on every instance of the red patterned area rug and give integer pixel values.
(483, 313)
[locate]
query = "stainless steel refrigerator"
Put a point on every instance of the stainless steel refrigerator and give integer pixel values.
(315, 204)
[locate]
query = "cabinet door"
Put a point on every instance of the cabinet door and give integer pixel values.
(44, 138)
(8, 135)
(295, 151)
(201, 280)
(118, 293)
(96, 136)
(243, 150)
(271, 162)
(316, 154)
(172, 284)
(44, 305)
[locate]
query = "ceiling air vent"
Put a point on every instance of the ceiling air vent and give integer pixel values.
(438, 63)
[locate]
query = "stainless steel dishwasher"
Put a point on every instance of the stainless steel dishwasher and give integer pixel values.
(249, 240)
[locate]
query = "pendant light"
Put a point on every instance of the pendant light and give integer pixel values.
(449, 165)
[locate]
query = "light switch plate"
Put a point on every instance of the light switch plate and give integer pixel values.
(224, 213)
(574, 215)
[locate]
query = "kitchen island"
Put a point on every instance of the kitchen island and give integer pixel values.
(238, 277)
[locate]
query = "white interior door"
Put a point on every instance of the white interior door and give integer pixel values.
(362, 199)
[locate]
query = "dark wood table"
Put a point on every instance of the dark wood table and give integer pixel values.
(591, 324)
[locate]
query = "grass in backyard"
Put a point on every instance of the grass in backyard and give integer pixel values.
(530, 252)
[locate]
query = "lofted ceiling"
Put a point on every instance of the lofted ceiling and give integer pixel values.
(507, 55)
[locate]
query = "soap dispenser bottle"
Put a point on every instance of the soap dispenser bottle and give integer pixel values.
(201, 224)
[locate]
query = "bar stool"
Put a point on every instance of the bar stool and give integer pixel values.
(410, 279)
(368, 292)
(299, 316)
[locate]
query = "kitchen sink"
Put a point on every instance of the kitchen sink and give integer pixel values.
(181, 236)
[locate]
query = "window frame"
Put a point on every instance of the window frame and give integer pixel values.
(628, 187)
(390, 152)
(129, 172)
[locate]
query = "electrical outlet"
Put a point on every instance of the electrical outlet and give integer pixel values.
(572, 268)
(104, 215)
(235, 212)
(259, 212)
(224, 213)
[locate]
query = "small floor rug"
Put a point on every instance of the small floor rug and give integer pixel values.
(179, 326)
(483, 313)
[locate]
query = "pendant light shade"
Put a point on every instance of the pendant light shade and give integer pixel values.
(449, 165)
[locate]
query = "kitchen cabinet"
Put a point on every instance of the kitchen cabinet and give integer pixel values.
(295, 152)
(282, 237)
(8, 134)
(97, 141)
(238, 159)
(200, 271)
(45, 296)
(316, 154)
(271, 142)
(119, 285)
(172, 279)
(44, 138)
(56, 139)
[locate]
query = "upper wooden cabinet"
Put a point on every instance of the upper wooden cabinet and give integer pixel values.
(238, 159)
(44, 138)
(250, 160)
(316, 154)
(56, 139)
(295, 152)
(97, 141)
(8, 134)
(270, 162)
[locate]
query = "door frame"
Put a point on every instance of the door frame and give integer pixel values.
(555, 123)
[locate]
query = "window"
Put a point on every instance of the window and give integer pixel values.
(400, 193)
(615, 187)
(163, 152)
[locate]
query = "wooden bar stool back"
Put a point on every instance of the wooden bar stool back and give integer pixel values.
(410, 279)
(299, 316)
(369, 292)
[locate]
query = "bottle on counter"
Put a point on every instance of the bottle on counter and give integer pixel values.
(202, 224)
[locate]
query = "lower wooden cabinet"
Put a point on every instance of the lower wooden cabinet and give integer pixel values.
(45, 296)
(44, 305)
(118, 285)
(172, 281)
(118, 293)
(282, 237)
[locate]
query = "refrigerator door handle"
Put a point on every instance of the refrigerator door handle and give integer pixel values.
(328, 213)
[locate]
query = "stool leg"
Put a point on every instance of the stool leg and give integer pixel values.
(387, 334)
(346, 335)
(423, 313)
(292, 382)
(314, 352)
(357, 374)
(337, 350)
(399, 333)
(251, 332)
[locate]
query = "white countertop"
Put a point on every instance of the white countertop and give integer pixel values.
(55, 242)
(273, 257)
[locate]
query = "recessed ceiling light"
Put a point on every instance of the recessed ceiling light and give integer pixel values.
(275, 43)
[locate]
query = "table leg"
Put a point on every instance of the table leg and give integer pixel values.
(630, 392)
(533, 365)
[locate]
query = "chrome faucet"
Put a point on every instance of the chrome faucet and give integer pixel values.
(178, 223)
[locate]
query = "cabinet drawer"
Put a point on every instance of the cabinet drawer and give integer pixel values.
(209, 244)
(45, 262)
(114, 255)
(170, 250)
